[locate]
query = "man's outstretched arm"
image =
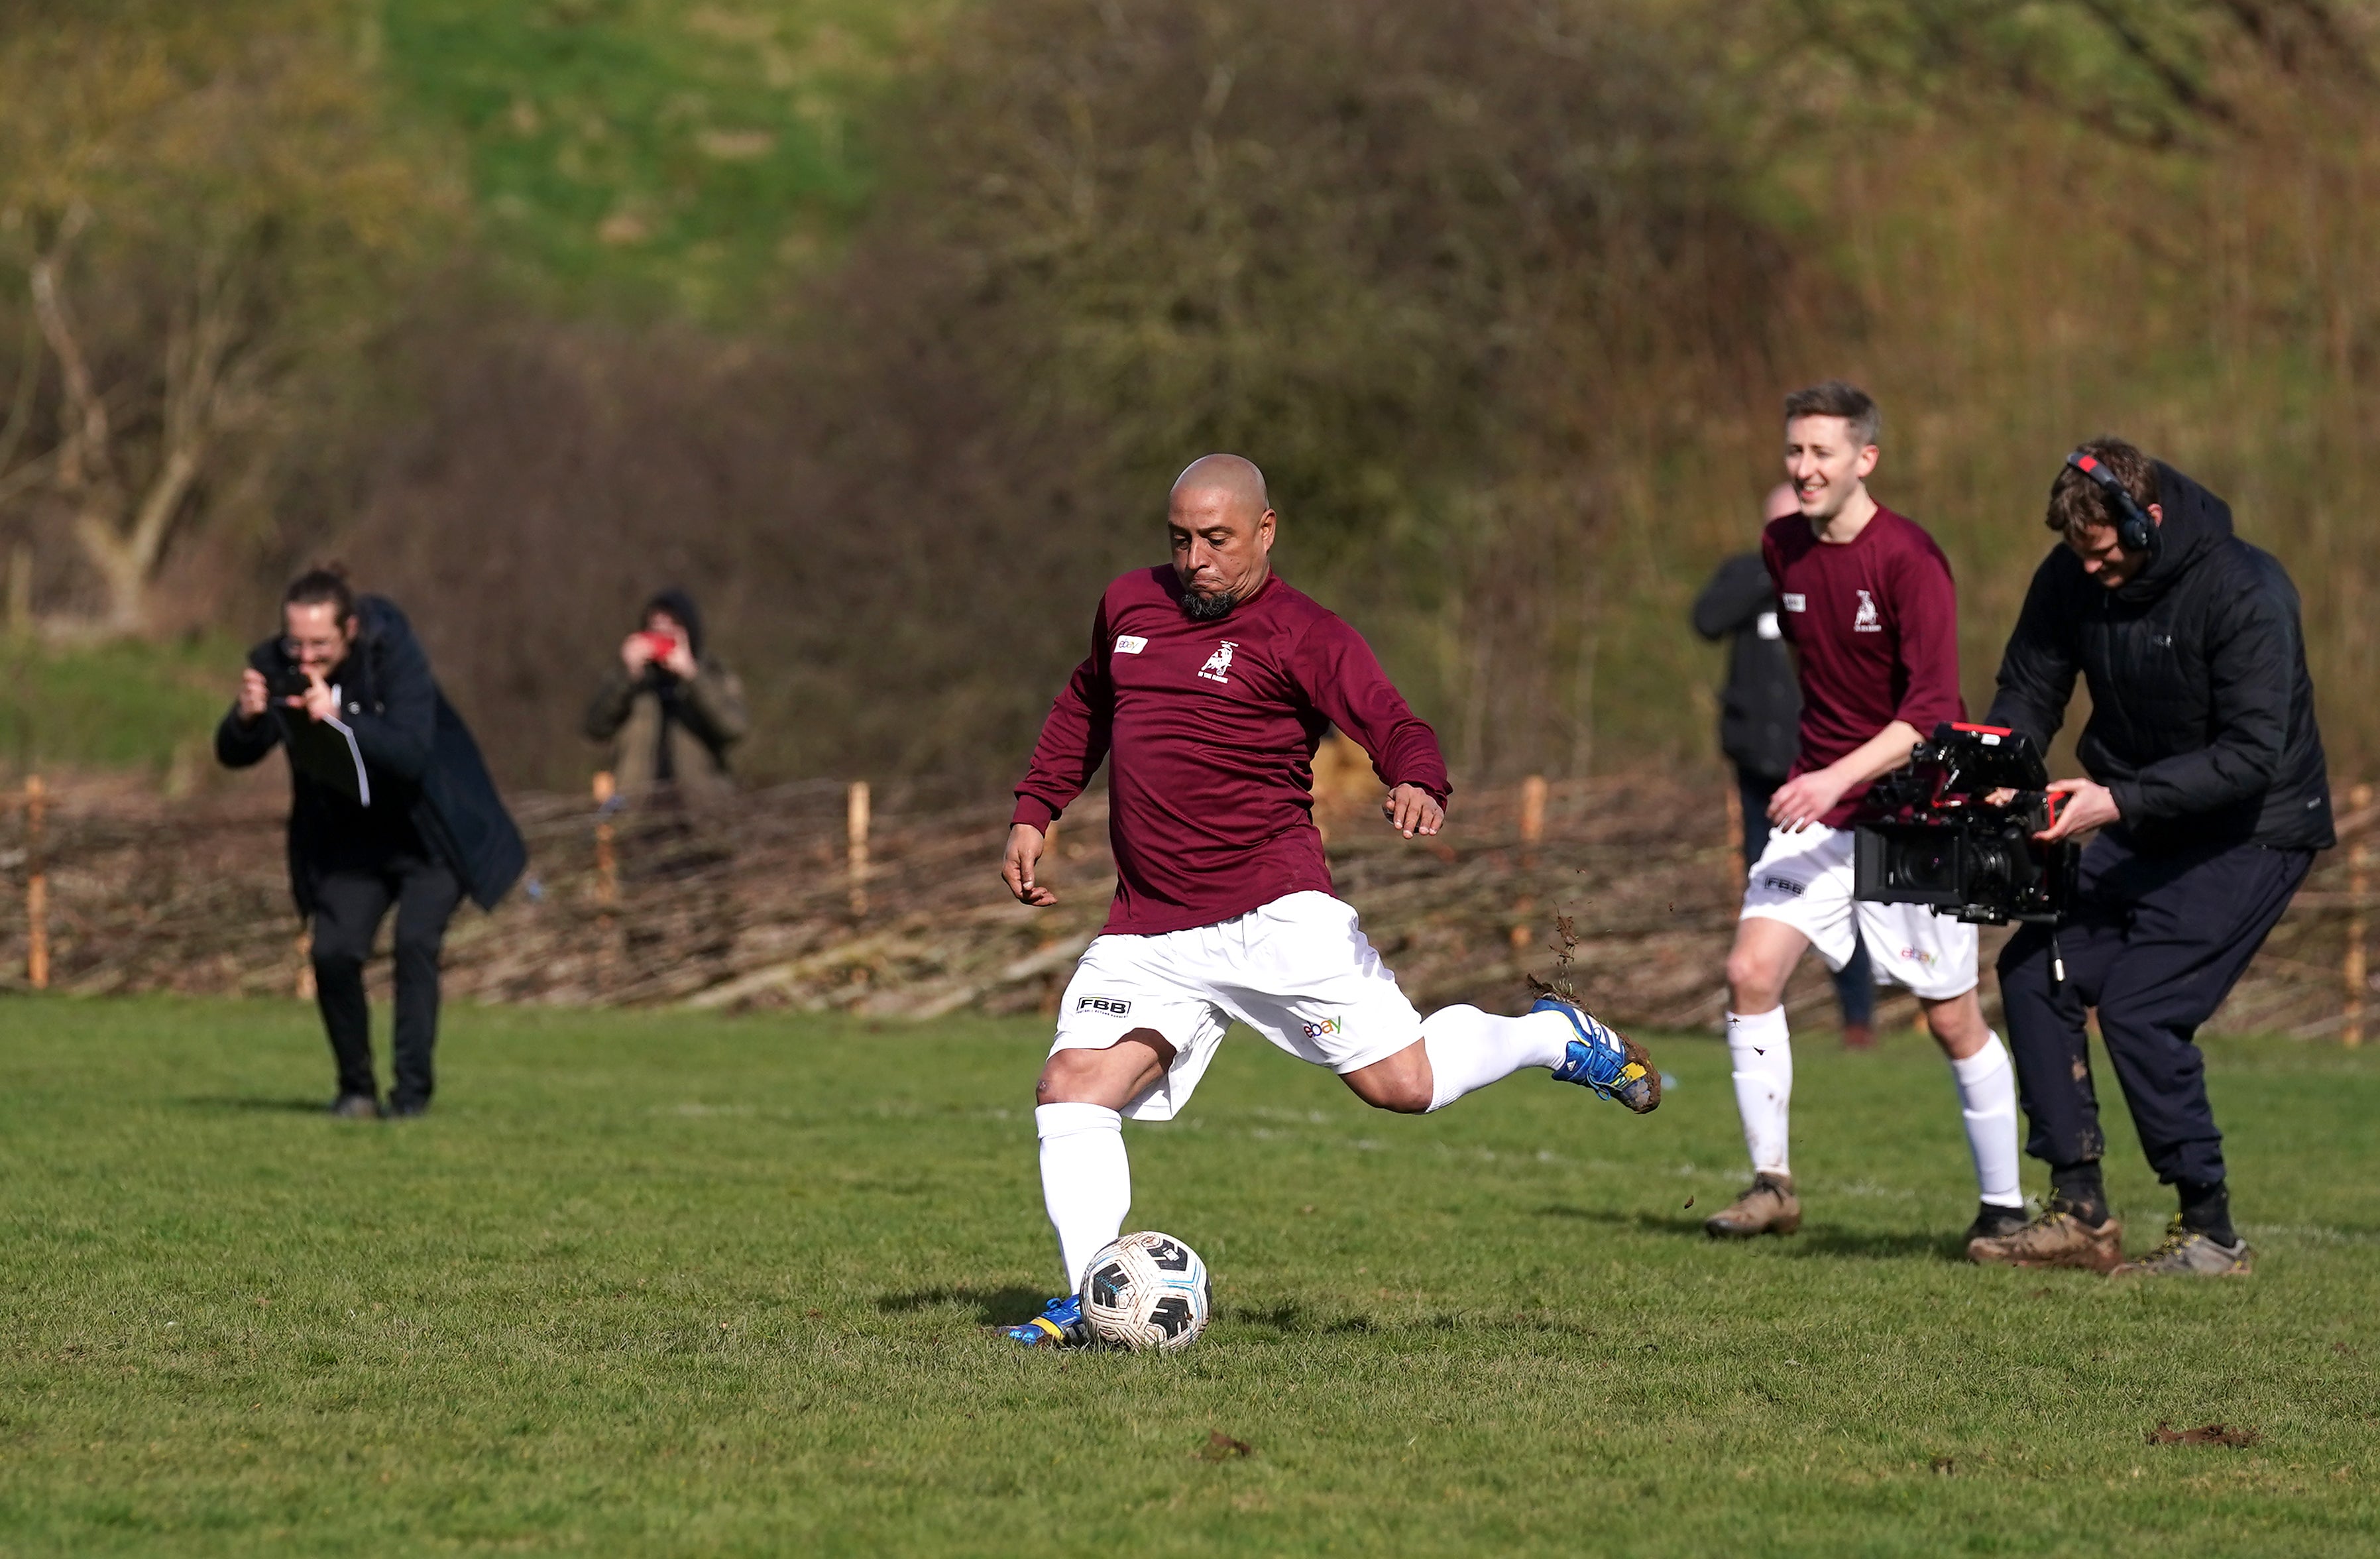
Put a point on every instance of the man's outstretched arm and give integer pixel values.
(1342, 678)
(1074, 744)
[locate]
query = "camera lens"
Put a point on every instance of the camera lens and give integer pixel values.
(1930, 866)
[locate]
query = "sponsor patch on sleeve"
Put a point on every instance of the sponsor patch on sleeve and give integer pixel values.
(1794, 601)
(1130, 644)
(1113, 1007)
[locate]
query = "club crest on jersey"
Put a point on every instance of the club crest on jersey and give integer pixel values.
(1865, 620)
(1219, 664)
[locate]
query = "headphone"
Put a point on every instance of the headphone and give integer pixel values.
(2136, 533)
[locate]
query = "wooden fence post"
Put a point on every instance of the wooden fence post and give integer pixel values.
(37, 888)
(607, 865)
(2359, 926)
(856, 836)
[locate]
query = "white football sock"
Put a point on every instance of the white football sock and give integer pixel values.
(1086, 1180)
(1468, 1048)
(1761, 1053)
(1987, 1099)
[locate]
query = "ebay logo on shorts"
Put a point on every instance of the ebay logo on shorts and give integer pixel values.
(1328, 1026)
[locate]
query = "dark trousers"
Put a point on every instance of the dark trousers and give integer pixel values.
(349, 906)
(2155, 943)
(1855, 981)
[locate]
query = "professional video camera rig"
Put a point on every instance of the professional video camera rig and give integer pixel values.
(1931, 832)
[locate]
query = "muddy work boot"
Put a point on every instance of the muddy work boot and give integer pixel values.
(2057, 1239)
(2188, 1252)
(1768, 1207)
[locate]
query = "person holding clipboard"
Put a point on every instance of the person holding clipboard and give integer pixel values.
(391, 805)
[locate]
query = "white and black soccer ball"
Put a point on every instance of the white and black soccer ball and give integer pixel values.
(1146, 1290)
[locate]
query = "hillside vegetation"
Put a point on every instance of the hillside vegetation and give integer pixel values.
(884, 327)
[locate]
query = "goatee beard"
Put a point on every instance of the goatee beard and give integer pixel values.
(1201, 607)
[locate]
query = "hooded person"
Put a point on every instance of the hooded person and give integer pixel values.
(391, 806)
(2209, 794)
(670, 708)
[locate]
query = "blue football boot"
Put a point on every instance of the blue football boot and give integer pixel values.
(1606, 1060)
(1060, 1325)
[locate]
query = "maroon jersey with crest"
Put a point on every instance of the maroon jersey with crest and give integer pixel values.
(1210, 730)
(1875, 627)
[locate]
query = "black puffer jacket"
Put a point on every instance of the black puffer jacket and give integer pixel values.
(2201, 713)
(1760, 709)
(430, 789)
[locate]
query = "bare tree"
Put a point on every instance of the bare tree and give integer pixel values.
(204, 384)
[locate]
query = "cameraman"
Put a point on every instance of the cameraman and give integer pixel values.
(670, 708)
(389, 804)
(2208, 788)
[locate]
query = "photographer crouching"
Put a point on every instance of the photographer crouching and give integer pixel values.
(2208, 789)
(390, 804)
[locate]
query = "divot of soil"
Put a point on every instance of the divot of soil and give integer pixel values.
(2205, 1434)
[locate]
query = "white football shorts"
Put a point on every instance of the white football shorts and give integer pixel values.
(1804, 880)
(1298, 970)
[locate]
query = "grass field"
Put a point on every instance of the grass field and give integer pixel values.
(629, 153)
(660, 1285)
(127, 705)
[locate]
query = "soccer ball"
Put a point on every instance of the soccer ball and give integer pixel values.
(1147, 1291)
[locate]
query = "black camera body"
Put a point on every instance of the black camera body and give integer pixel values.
(1930, 833)
(287, 681)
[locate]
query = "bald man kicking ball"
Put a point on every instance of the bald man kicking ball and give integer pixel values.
(1207, 685)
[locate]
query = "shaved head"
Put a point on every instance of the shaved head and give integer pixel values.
(1782, 501)
(1220, 523)
(1232, 474)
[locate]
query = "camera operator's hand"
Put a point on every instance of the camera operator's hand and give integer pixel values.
(2088, 805)
(320, 702)
(679, 662)
(636, 653)
(1411, 810)
(1016, 868)
(1804, 798)
(254, 696)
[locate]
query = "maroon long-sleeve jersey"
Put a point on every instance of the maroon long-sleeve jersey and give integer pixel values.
(1210, 730)
(1873, 623)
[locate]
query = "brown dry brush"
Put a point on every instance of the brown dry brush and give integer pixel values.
(1629, 899)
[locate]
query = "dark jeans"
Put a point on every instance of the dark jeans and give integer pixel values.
(2155, 944)
(349, 906)
(1855, 981)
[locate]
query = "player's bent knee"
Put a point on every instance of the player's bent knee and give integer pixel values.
(1403, 1083)
(1098, 1076)
(1400, 1098)
(1752, 982)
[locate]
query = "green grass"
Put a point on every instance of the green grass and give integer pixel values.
(655, 153)
(126, 705)
(656, 1284)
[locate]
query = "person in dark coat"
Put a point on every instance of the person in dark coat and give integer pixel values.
(670, 708)
(2209, 791)
(1759, 724)
(390, 805)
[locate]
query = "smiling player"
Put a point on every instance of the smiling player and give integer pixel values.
(1207, 685)
(1867, 603)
